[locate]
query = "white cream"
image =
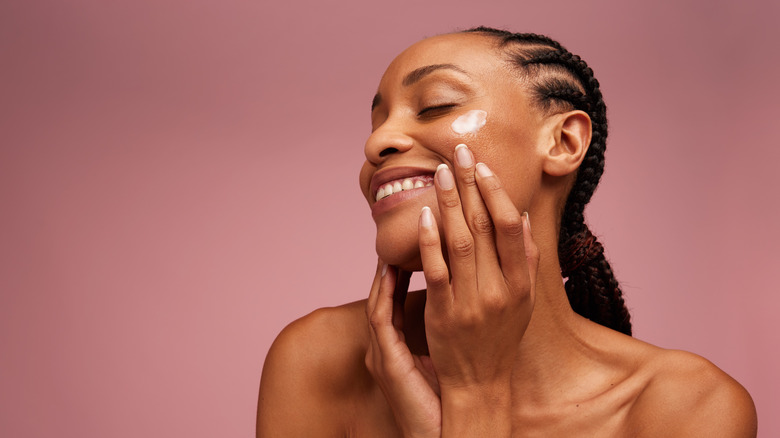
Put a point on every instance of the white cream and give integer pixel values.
(469, 123)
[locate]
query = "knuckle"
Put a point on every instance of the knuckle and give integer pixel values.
(492, 185)
(519, 282)
(450, 200)
(511, 224)
(462, 246)
(437, 277)
(468, 179)
(429, 241)
(526, 296)
(520, 290)
(494, 303)
(375, 320)
(482, 223)
(470, 319)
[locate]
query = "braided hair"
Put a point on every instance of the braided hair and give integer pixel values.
(561, 81)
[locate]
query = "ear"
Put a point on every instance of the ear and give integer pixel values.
(571, 138)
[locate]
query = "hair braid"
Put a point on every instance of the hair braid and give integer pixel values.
(562, 81)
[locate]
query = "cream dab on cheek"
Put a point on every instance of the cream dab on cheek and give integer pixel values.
(469, 123)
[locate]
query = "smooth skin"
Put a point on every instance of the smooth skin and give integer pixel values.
(492, 348)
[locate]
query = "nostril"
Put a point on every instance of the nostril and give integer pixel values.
(387, 152)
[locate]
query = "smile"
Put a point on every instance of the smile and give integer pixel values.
(404, 184)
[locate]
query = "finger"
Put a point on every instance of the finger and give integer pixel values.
(531, 251)
(373, 294)
(381, 318)
(477, 216)
(508, 224)
(457, 236)
(437, 275)
(399, 298)
(474, 210)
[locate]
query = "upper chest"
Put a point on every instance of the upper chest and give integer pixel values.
(608, 415)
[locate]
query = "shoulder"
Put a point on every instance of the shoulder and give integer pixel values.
(308, 369)
(686, 395)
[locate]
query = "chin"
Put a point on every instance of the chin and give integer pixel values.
(399, 250)
(397, 243)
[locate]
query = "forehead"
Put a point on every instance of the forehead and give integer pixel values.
(476, 54)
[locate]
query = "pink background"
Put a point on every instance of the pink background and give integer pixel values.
(178, 180)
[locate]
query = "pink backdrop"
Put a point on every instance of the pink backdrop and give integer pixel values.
(178, 181)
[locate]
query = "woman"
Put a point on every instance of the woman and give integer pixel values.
(476, 135)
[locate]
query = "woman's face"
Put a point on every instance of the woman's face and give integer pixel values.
(441, 92)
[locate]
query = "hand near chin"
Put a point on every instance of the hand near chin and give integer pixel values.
(478, 305)
(407, 381)
(479, 301)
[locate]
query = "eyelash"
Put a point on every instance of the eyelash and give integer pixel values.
(435, 108)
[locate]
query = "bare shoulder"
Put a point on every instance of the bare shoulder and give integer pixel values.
(687, 395)
(308, 369)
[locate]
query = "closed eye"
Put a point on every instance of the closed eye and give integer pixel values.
(433, 111)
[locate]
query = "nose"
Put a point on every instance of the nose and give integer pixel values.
(386, 140)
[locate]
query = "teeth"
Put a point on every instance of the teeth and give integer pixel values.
(401, 185)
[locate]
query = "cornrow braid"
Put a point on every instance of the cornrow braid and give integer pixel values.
(561, 81)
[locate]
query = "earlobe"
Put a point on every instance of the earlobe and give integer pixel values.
(572, 132)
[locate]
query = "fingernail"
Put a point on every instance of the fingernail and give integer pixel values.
(426, 217)
(463, 156)
(444, 177)
(527, 220)
(384, 269)
(483, 170)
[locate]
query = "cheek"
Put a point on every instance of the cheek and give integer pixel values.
(471, 128)
(507, 146)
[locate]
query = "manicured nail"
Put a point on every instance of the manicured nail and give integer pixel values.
(483, 170)
(527, 220)
(444, 177)
(463, 156)
(384, 269)
(426, 217)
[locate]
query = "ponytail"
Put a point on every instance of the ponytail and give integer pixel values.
(586, 269)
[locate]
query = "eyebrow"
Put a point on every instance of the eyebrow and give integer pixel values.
(417, 75)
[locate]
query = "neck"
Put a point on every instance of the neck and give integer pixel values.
(558, 346)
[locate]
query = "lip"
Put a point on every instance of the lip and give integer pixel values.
(384, 176)
(384, 205)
